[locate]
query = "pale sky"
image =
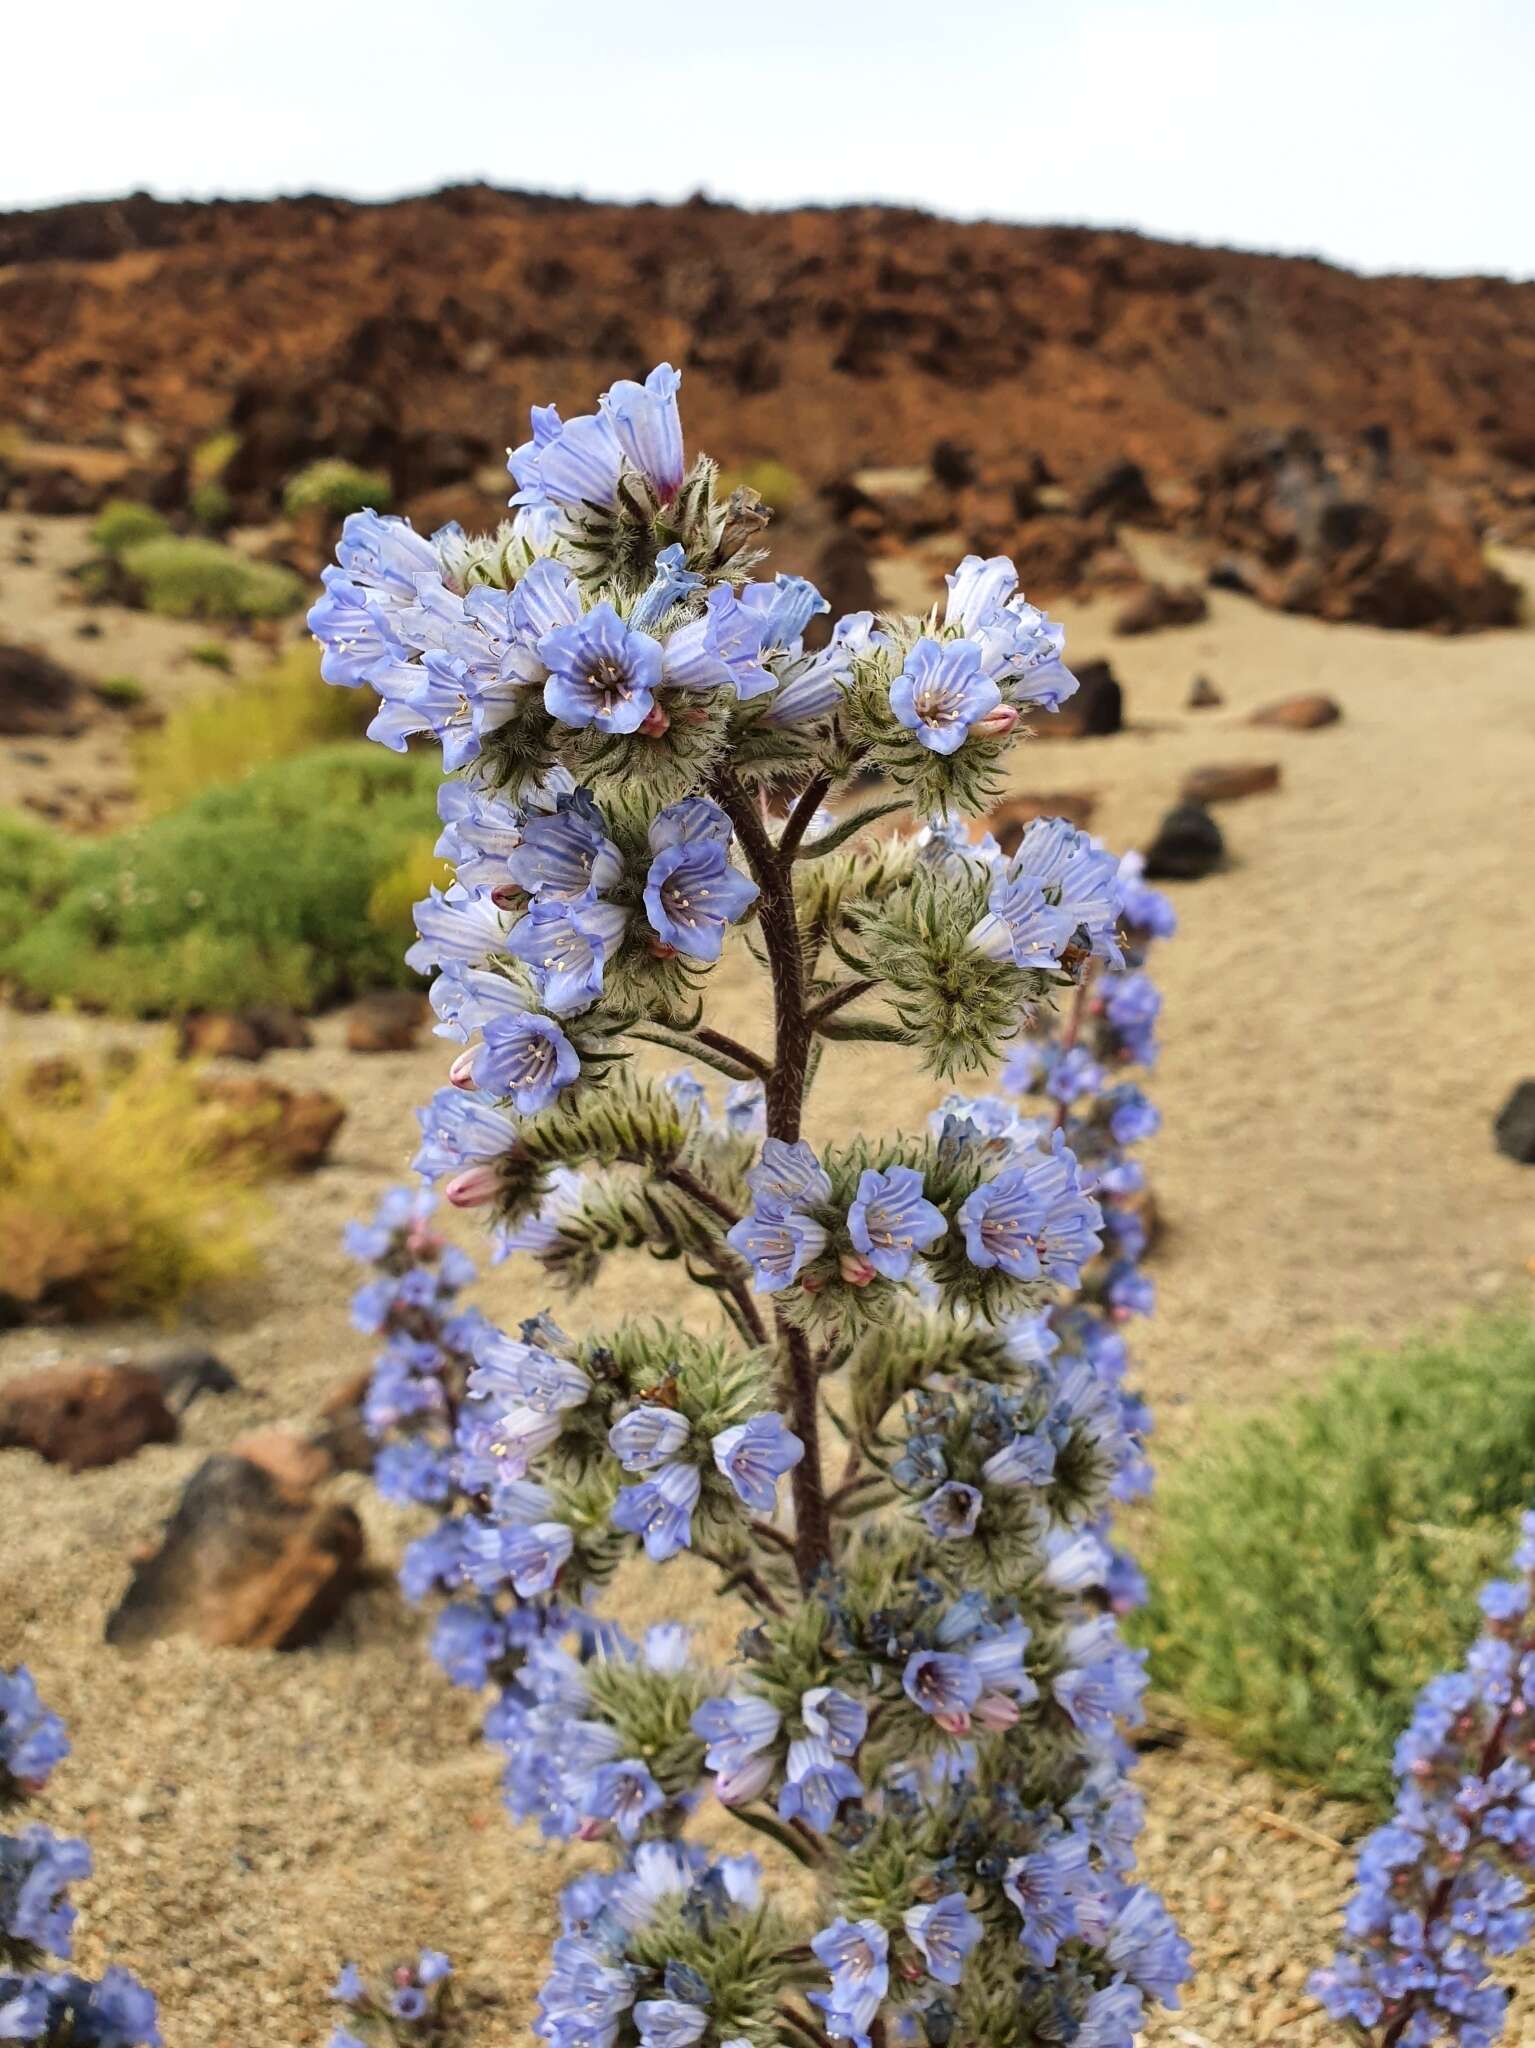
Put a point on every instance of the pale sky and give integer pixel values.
(1386, 136)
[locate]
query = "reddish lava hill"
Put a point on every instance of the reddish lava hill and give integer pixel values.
(415, 335)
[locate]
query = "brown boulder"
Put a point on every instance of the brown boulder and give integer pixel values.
(1203, 695)
(85, 1416)
(297, 1464)
(220, 1035)
(276, 1129)
(342, 1435)
(1009, 820)
(245, 1562)
(1224, 782)
(1340, 532)
(1299, 714)
(38, 698)
(1119, 491)
(1162, 604)
(389, 1020)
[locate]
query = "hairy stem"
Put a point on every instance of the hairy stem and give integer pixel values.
(772, 870)
(696, 1190)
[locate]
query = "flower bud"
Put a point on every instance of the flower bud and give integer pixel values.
(996, 724)
(735, 1788)
(474, 1186)
(654, 723)
(955, 1723)
(996, 1711)
(855, 1269)
(461, 1073)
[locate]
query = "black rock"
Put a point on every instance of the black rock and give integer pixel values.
(952, 464)
(1099, 705)
(1514, 1131)
(1227, 574)
(1187, 847)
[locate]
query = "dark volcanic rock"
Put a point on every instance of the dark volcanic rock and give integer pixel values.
(1097, 709)
(1187, 847)
(1203, 695)
(1159, 605)
(1514, 1131)
(38, 698)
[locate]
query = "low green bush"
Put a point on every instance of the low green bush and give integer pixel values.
(211, 506)
(263, 892)
(122, 524)
(336, 488)
(120, 690)
(217, 738)
(1311, 1570)
(199, 578)
(31, 859)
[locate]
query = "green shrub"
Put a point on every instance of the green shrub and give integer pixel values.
(122, 524)
(32, 860)
(1312, 1570)
(212, 654)
(256, 893)
(216, 739)
(336, 488)
(203, 579)
(211, 507)
(121, 690)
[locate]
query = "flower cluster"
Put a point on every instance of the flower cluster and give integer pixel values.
(411, 1410)
(415, 2005)
(1081, 1071)
(52, 2007)
(1443, 1889)
(926, 1710)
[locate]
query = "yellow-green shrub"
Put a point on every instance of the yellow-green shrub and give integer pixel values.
(217, 738)
(335, 488)
(111, 1200)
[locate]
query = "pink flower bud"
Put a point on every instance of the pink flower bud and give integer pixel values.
(996, 724)
(507, 896)
(957, 1723)
(855, 1269)
(659, 950)
(735, 1788)
(591, 1831)
(475, 1185)
(995, 1710)
(654, 723)
(461, 1073)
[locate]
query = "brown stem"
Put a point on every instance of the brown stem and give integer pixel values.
(691, 1185)
(798, 821)
(772, 869)
(733, 1049)
(734, 1575)
(839, 998)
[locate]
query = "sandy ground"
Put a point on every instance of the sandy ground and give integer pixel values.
(1347, 1006)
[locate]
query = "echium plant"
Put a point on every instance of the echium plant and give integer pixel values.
(411, 1410)
(1078, 1062)
(1443, 1889)
(924, 1710)
(53, 2007)
(414, 2006)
